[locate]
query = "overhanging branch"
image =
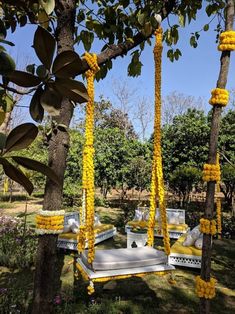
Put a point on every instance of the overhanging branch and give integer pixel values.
(114, 51)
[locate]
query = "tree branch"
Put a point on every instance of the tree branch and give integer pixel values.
(13, 90)
(114, 51)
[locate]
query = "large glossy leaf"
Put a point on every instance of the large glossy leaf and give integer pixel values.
(3, 138)
(44, 44)
(2, 116)
(24, 79)
(36, 166)
(3, 31)
(48, 5)
(21, 137)
(36, 110)
(43, 19)
(16, 175)
(72, 89)
(51, 100)
(7, 64)
(67, 64)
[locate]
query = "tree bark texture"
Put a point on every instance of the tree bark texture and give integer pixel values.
(46, 273)
(215, 124)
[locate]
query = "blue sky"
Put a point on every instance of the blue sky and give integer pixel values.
(194, 74)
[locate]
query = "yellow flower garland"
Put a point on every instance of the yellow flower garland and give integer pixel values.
(88, 160)
(157, 183)
(205, 289)
(50, 222)
(208, 226)
(91, 288)
(211, 172)
(227, 41)
(219, 96)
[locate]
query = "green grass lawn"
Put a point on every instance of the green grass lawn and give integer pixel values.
(172, 293)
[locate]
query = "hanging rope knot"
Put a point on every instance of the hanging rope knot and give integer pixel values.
(208, 226)
(227, 41)
(205, 289)
(219, 96)
(91, 59)
(211, 172)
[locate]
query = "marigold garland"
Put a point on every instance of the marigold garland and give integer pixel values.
(91, 288)
(205, 289)
(208, 226)
(219, 96)
(211, 172)
(50, 222)
(227, 41)
(88, 160)
(157, 183)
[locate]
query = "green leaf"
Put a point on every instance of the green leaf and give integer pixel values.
(206, 27)
(6, 101)
(42, 72)
(3, 138)
(36, 166)
(141, 18)
(7, 64)
(43, 19)
(72, 89)
(16, 175)
(7, 42)
(51, 100)
(30, 68)
(48, 5)
(23, 79)
(182, 20)
(2, 116)
(44, 44)
(21, 137)
(67, 64)
(35, 108)
(3, 31)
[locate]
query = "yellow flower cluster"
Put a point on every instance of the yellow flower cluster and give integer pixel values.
(205, 289)
(157, 183)
(82, 272)
(91, 288)
(219, 96)
(211, 172)
(208, 226)
(88, 159)
(81, 239)
(227, 41)
(50, 223)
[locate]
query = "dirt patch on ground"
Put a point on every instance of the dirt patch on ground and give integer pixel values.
(19, 207)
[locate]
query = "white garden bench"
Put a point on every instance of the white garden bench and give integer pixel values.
(68, 239)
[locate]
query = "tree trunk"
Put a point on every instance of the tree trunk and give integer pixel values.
(46, 274)
(216, 116)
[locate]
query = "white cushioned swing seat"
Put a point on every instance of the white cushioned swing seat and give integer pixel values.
(125, 258)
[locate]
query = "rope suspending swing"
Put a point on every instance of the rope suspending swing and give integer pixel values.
(121, 263)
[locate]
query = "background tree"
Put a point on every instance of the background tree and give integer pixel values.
(176, 104)
(183, 180)
(185, 141)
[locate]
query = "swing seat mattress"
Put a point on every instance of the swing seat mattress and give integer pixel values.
(125, 258)
(187, 256)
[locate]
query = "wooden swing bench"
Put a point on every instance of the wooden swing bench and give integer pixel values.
(69, 240)
(123, 263)
(176, 222)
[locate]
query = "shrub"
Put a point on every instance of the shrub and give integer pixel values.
(18, 243)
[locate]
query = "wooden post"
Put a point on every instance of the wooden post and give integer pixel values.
(216, 117)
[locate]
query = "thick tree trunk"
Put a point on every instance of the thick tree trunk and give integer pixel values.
(46, 274)
(216, 116)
